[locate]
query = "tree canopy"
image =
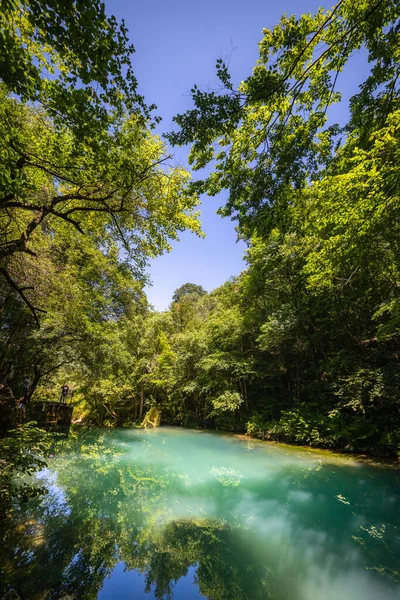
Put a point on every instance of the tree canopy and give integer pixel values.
(87, 195)
(72, 58)
(122, 193)
(188, 288)
(270, 137)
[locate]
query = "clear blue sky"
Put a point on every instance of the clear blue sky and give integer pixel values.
(177, 43)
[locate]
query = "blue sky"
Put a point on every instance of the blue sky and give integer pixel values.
(177, 43)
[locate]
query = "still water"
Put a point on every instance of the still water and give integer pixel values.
(185, 515)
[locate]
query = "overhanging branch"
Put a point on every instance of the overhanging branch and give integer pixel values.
(21, 292)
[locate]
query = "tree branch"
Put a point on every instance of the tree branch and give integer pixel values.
(65, 217)
(20, 291)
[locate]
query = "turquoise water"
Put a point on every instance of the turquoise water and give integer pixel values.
(182, 515)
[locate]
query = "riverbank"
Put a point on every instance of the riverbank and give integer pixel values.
(338, 453)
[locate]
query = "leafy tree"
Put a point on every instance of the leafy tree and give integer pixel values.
(72, 58)
(120, 194)
(318, 305)
(188, 289)
(270, 137)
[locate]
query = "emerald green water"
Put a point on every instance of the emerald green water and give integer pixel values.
(177, 514)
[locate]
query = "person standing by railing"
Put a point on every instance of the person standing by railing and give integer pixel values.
(64, 393)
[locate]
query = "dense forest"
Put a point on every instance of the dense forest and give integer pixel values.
(303, 345)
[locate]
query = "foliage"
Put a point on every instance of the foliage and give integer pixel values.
(227, 401)
(22, 454)
(123, 195)
(72, 58)
(87, 196)
(152, 418)
(188, 289)
(315, 316)
(271, 136)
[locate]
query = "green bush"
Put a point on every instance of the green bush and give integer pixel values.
(22, 454)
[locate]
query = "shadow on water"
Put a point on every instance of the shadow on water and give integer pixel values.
(250, 522)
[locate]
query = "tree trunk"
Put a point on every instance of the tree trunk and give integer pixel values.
(141, 402)
(9, 344)
(36, 378)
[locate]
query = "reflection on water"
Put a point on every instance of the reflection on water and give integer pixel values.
(174, 514)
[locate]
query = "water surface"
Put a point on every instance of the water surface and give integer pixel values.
(184, 515)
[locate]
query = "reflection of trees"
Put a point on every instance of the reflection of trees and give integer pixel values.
(109, 511)
(108, 508)
(228, 568)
